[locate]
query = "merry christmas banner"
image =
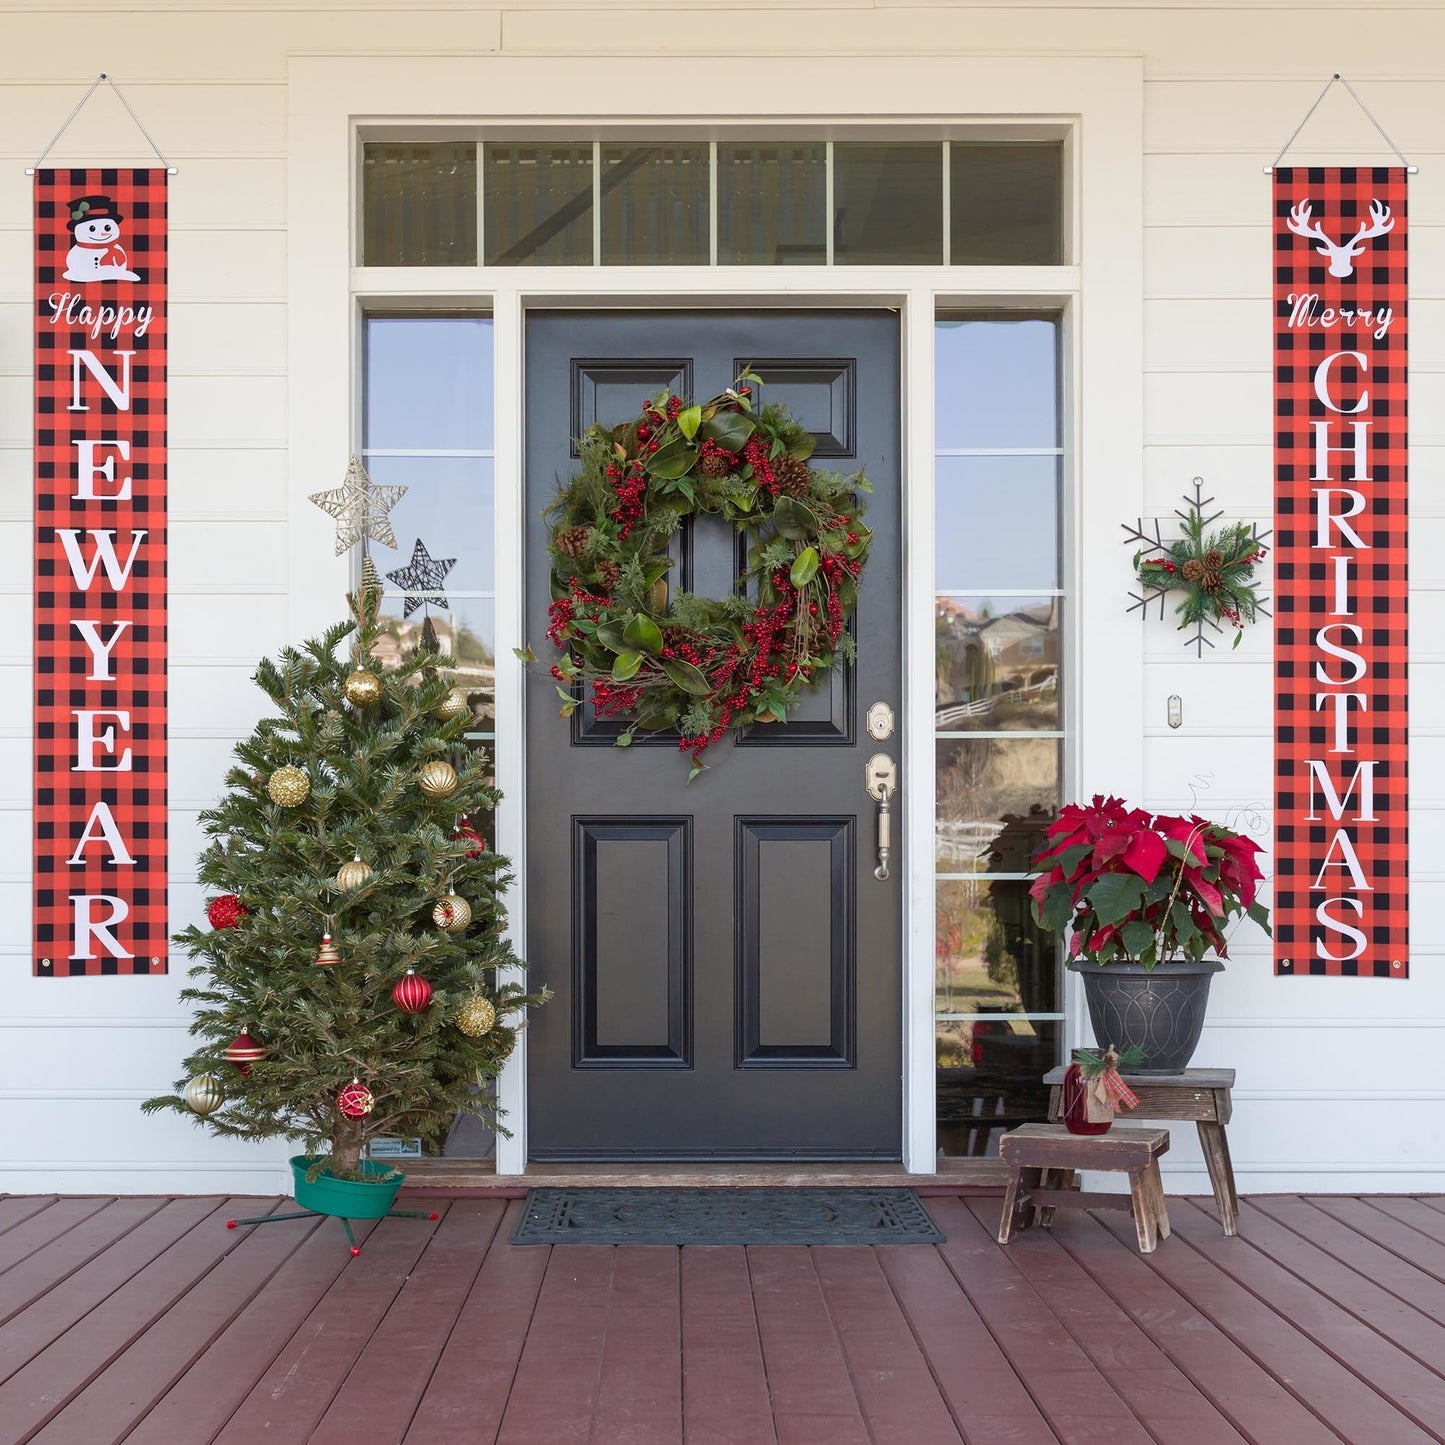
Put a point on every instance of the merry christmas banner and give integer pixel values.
(1340, 325)
(100, 572)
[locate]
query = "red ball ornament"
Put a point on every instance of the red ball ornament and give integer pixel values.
(355, 1100)
(243, 1051)
(412, 994)
(465, 833)
(226, 911)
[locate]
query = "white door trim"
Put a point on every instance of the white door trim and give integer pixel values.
(332, 98)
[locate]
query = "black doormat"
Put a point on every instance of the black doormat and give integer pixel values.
(725, 1216)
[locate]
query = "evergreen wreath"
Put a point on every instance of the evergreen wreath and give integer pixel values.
(662, 658)
(1213, 570)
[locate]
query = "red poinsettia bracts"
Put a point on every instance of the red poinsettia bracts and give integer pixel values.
(1136, 886)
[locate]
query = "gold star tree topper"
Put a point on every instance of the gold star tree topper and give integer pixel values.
(360, 508)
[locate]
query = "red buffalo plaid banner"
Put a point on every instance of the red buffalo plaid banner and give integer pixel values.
(100, 572)
(1341, 891)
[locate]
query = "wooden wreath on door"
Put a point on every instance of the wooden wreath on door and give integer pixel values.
(662, 658)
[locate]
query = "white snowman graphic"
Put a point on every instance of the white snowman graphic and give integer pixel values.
(97, 254)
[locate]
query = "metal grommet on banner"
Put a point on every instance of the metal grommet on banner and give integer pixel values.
(1409, 169)
(80, 105)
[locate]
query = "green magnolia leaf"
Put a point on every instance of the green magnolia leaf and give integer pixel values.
(793, 520)
(688, 421)
(744, 502)
(805, 568)
(656, 570)
(643, 634)
(1115, 896)
(729, 429)
(864, 535)
(557, 587)
(805, 446)
(686, 676)
(613, 636)
(626, 666)
(673, 461)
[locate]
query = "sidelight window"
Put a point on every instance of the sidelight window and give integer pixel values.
(999, 730)
(578, 202)
(428, 426)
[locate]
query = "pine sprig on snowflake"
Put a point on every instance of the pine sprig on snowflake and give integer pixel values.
(1212, 571)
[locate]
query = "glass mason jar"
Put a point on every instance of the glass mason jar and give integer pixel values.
(1075, 1100)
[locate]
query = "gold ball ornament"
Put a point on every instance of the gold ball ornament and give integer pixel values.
(476, 1016)
(453, 705)
(363, 688)
(203, 1094)
(438, 779)
(353, 874)
(452, 914)
(289, 786)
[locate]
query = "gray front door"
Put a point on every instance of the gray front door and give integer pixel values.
(727, 969)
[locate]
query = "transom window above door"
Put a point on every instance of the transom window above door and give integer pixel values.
(560, 202)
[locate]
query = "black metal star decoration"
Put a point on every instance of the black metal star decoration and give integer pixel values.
(360, 508)
(420, 581)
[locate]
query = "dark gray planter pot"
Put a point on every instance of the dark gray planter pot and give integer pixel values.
(1160, 1011)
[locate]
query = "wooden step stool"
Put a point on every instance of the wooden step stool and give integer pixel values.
(1044, 1160)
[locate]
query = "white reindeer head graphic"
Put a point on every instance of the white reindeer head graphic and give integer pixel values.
(1342, 256)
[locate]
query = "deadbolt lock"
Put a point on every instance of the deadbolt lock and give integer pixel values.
(880, 721)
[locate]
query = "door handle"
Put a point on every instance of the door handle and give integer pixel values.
(881, 782)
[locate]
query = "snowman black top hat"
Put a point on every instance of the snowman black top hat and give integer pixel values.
(93, 208)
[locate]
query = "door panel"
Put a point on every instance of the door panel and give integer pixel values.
(727, 969)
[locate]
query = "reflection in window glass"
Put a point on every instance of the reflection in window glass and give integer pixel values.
(888, 204)
(655, 205)
(428, 389)
(997, 523)
(998, 651)
(448, 504)
(997, 664)
(1006, 204)
(996, 382)
(429, 383)
(537, 204)
(771, 204)
(419, 204)
(985, 787)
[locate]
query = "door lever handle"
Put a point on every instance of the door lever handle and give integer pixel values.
(885, 834)
(881, 781)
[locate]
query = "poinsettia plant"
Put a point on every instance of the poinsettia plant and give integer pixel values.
(1140, 887)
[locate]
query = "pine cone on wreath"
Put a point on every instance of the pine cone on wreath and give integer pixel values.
(793, 475)
(1192, 570)
(609, 574)
(573, 542)
(717, 464)
(1213, 560)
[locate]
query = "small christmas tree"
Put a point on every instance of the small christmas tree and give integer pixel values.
(355, 980)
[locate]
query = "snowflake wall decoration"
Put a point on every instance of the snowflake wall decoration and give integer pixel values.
(1213, 572)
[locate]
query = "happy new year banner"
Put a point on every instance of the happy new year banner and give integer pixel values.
(1340, 888)
(100, 572)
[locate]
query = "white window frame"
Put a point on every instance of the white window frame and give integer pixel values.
(1097, 103)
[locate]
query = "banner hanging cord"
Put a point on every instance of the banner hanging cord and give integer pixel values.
(1410, 170)
(80, 105)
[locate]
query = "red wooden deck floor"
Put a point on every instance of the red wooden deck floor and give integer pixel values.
(147, 1321)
